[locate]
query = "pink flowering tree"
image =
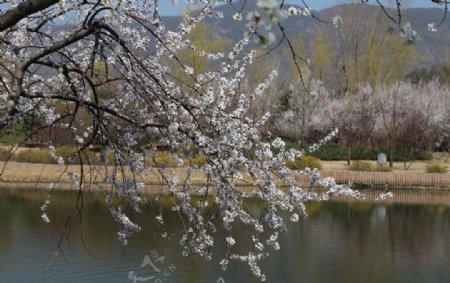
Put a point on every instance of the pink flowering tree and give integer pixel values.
(422, 115)
(58, 57)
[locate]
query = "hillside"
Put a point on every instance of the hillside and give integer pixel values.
(433, 47)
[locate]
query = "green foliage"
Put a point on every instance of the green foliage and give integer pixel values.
(103, 92)
(436, 167)
(360, 165)
(303, 162)
(250, 153)
(440, 72)
(339, 152)
(408, 155)
(20, 131)
(11, 138)
(335, 152)
(13, 133)
(331, 152)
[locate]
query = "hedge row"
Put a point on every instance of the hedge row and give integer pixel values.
(326, 152)
(338, 152)
(42, 155)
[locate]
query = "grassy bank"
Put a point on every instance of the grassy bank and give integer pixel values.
(27, 173)
(25, 168)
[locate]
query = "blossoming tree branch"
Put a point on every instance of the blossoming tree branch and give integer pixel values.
(108, 72)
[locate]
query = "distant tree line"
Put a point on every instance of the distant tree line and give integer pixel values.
(356, 81)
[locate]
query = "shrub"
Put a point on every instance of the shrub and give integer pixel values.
(423, 155)
(68, 152)
(361, 166)
(197, 160)
(165, 159)
(331, 152)
(436, 167)
(383, 169)
(42, 155)
(250, 153)
(303, 162)
(340, 152)
(4, 154)
(34, 155)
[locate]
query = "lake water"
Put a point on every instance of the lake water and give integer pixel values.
(338, 242)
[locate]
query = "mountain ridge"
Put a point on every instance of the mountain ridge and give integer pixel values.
(432, 47)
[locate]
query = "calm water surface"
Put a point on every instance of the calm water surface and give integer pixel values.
(338, 242)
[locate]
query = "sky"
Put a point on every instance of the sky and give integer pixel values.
(167, 9)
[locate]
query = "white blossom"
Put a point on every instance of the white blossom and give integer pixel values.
(45, 218)
(337, 21)
(431, 27)
(237, 17)
(230, 241)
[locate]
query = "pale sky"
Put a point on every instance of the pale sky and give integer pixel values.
(166, 8)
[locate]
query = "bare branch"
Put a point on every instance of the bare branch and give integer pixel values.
(24, 9)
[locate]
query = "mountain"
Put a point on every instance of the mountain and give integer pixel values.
(432, 47)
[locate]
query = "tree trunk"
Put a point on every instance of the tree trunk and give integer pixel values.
(349, 154)
(391, 155)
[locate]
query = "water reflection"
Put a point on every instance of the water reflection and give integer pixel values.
(337, 242)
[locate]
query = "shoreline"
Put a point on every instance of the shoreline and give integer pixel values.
(154, 188)
(36, 175)
(408, 196)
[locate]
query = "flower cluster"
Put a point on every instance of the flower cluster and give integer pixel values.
(337, 21)
(128, 227)
(294, 11)
(431, 27)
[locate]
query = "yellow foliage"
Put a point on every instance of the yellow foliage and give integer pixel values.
(360, 165)
(303, 162)
(436, 167)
